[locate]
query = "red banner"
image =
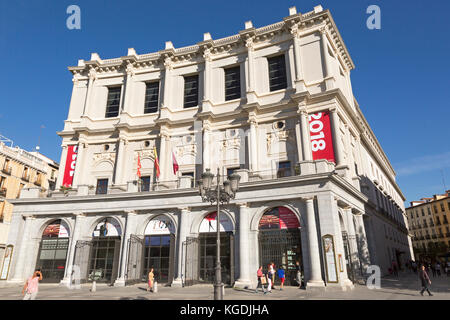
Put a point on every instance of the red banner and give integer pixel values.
(321, 137)
(69, 169)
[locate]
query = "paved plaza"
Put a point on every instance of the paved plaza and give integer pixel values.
(405, 287)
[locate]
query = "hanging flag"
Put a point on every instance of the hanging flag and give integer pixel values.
(175, 164)
(139, 166)
(156, 162)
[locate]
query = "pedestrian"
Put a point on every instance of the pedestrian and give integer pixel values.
(438, 269)
(425, 280)
(269, 277)
(394, 268)
(298, 274)
(31, 287)
(281, 274)
(273, 274)
(433, 269)
(261, 280)
(151, 276)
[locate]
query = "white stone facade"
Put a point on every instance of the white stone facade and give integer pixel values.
(357, 195)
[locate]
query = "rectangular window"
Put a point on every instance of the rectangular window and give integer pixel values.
(113, 103)
(102, 186)
(191, 91)
(442, 207)
(151, 97)
(284, 169)
(232, 83)
(277, 73)
(145, 183)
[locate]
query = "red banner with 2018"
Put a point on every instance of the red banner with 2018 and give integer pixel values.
(71, 162)
(321, 137)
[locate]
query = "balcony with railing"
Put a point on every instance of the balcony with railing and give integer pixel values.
(3, 192)
(7, 169)
(26, 176)
(38, 181)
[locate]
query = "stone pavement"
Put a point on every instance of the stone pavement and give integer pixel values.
(406, 286)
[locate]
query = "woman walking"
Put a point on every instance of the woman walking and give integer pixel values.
(298, 275)
(31, 286)
(425, 280)
(261, 280)
(270, 274)
(150, 280)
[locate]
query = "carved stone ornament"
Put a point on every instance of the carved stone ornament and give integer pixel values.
(168, 63)
(148, 153)
(234, 143)
(105, 156)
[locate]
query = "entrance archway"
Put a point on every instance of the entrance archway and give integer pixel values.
(104, 257)
(53, 251)
(159, 249)
(280, 242)
(207, 248)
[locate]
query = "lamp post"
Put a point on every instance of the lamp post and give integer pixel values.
(219, 194)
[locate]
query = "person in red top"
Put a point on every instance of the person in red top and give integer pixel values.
(260, 276)
(31, 286)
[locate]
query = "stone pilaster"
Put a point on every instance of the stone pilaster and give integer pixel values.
(315, 279)
(75, 236)
(183, 223)
(130, 227)
(244, 245)
(23, 253)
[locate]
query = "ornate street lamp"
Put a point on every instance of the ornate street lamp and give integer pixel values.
(219, 194)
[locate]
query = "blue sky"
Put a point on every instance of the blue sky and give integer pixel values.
(400, 81)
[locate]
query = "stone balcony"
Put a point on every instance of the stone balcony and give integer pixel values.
(303, 169)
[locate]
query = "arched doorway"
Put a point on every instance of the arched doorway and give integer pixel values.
(280, 242)
(159, 249)
(104, 256)
(207, 248)
(53, 251)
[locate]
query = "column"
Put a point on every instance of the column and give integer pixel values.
(354, 253)
(20, 265)
(244, 251)
(338, 152)
(206, 152)
(315, 279)
(206, 104)
(121, 152)
(361, 232)
(92, 78)
(326, 59)
(62, 167)
(79, 167)
(306, 138)
(128, 89)
(183, 223)
(299, 77)
(253, 146)
(168, 65)
(76, 232)
(251, 95)
(129, 228)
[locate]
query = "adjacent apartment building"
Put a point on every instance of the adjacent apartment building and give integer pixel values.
(428, 220)
(273, 104)
(20, 169)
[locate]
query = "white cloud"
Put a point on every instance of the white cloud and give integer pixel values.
(422, 164)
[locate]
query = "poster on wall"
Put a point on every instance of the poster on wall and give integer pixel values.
(6, 262)
(69, 169)
(279, 218)
(330, 258)
(160, 225)
(209, 223)
(321, 136)
(107, 228)
(57, 229)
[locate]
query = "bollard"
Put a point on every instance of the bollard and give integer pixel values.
(155, 287)
(94, 286)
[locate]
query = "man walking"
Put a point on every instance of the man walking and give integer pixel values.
(32, 286)
(425, 280)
